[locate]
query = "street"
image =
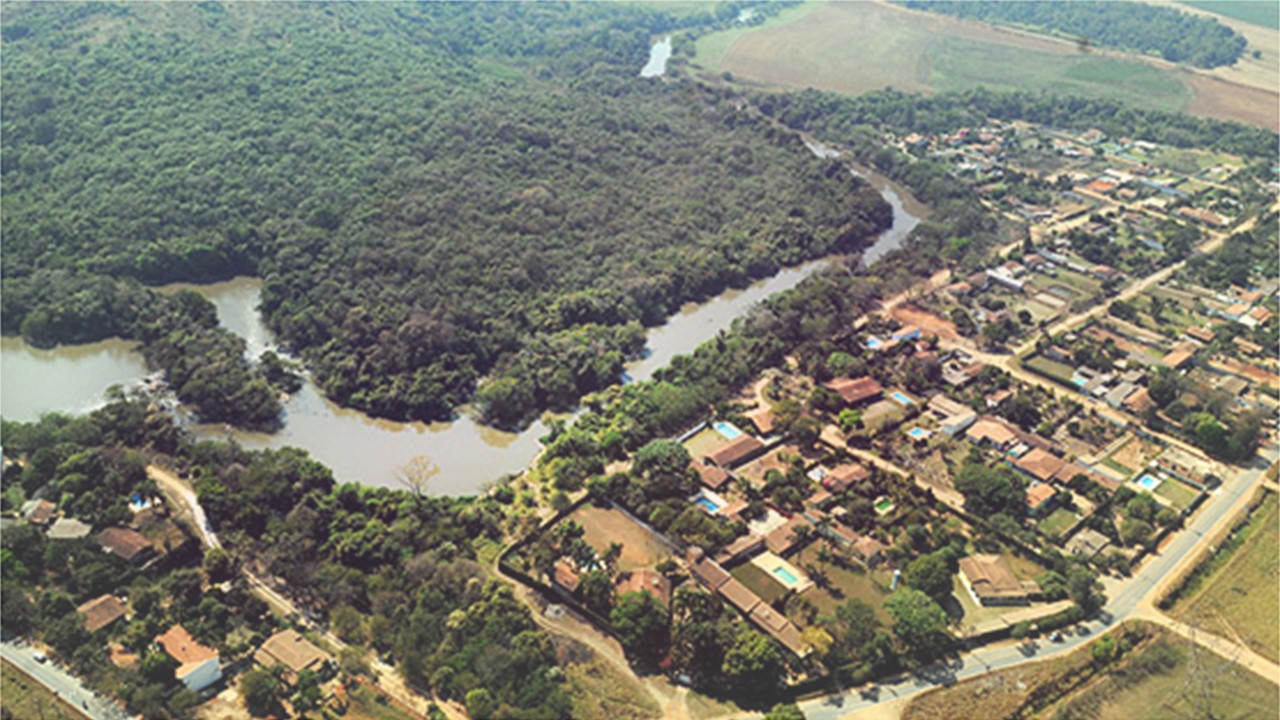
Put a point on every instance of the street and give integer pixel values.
(1124, 599)
(61, 682)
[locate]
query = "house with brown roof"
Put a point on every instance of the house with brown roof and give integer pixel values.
(739, 596)
(644, 580)
(736, 452)
(39, 512)
(1139, 402)
(788, 536)
(710, 475)
(782, 630)
(869, 550)
(1202, 334)
(294, 653)
(764, 420)
(1039, 464)
(991, 432)
(743, 546)
(198, 665)
(707, 571)
(1040, 498)
(844, 476)
(126, 544)
(1069, 471)
(564, 575)
(1179, 357)
(102, 612)
(990, 581)
(855, 391)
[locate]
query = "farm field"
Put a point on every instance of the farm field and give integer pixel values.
(600, 692)
(858, 47)
(1238, 598)
(1262, 14)
(602, 526)
(22, 697)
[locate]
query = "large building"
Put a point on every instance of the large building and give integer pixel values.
(990, 581)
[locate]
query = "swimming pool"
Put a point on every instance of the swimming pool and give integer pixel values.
(1079, 381)
(918, 433)
(785, 576)
(901, 398)
(1149, 482)
(873, 342)
(884, 506)
(728, 430)
(707, 504)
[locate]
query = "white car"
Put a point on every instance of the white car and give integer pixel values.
(39, 657)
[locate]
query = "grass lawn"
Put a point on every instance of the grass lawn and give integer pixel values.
(1050, 368)
(605, 525)
(704, 443)
(600, 692)
(844, 582)
(711, 48)
(26, 698)
(1058, 522)
(1239, 596)
(1179, 494)
(759, 582)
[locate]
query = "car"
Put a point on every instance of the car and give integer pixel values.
(1056, 637)
(39, 657)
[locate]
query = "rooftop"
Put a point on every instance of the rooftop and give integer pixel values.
(854, 391)
(180, 646)
(1039, 464)
(126, 544)
(292, 651)
(101, 612)
(990, 576)
(736, 451)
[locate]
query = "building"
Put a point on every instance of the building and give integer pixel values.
(990, 581)
(1040, 499)
(736, 452)
(710, 475)
(1039, 464)
(65, 528)
(869, 550)
(990, 432)
(855, 391)
(843, 477)
(1087, 543)
(953, 417)
(788, 536)
(294, 653)
(39, 512)
(198, 665)
(743, 546)
(102, 612)
(565, 576)
(1179, 357)
(126, 544)
(763, 419)
(708, 572)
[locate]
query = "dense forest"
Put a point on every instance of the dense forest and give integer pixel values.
(431, 194)
(1165, 32)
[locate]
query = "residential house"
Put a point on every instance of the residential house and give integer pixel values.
(1040, 499)
(869, 550)
(198, 665)
(744, 546)
(736, 452)
(39, 512)
(991, 581)
(126, 544)
(953, 417)
(1087, 543)
(764, 420)
(65, 528)
(565, 576)
(788, 536)
(843, 477)
(855, 391)
(101, 612)
(710, 475)
(291, 651)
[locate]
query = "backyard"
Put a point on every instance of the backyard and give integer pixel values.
(842, 582)
(1057, 523)
(1238, 598)
(1177, 493)
(605, 525)
(759, 582)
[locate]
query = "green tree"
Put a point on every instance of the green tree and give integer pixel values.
(640, 621)
(260, 690)
(785, 712)
(480, 704)
(917, 619)
(306, 692)
(931, 575)
(753, 665)
(219, 565)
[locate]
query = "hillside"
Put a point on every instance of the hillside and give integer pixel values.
(431, 193)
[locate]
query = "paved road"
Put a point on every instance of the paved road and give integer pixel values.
(61, 683)
(1123, 600)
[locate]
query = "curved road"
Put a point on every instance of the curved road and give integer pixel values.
(1125, 600)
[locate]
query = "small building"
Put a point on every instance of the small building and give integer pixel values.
(1116, 396)
(843, 477)
(102, 612)
(198, 665)
(855, 391)
(1087, 543)
(126, 544)
(39, 512)
(780, 628)
(65, 528)
(1069, 471)
(743, 546)
(1179, 357)
(788, 536)
(953, 417)
(869, 550)
(1255, 317)
(708, 572)
(910, 332)
(739, 596)
(1139, 402)
(644, 580)
(763, 419)
(736, 452)
(1039, 464)
(990, 432)
(1040, 499)
(990, 581)
(996, 399)
(958, 374)
(710, 475)
(565, 576)
(294, 653)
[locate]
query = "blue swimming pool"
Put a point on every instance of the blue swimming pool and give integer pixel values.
(1149, 482)
(873, 342)
(786, 576)
(918, 433)
(728, 430)
(901, 398)
(707, 504)
(1079, 381)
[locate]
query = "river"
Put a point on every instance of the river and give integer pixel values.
(659, 54)
(363, 449)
